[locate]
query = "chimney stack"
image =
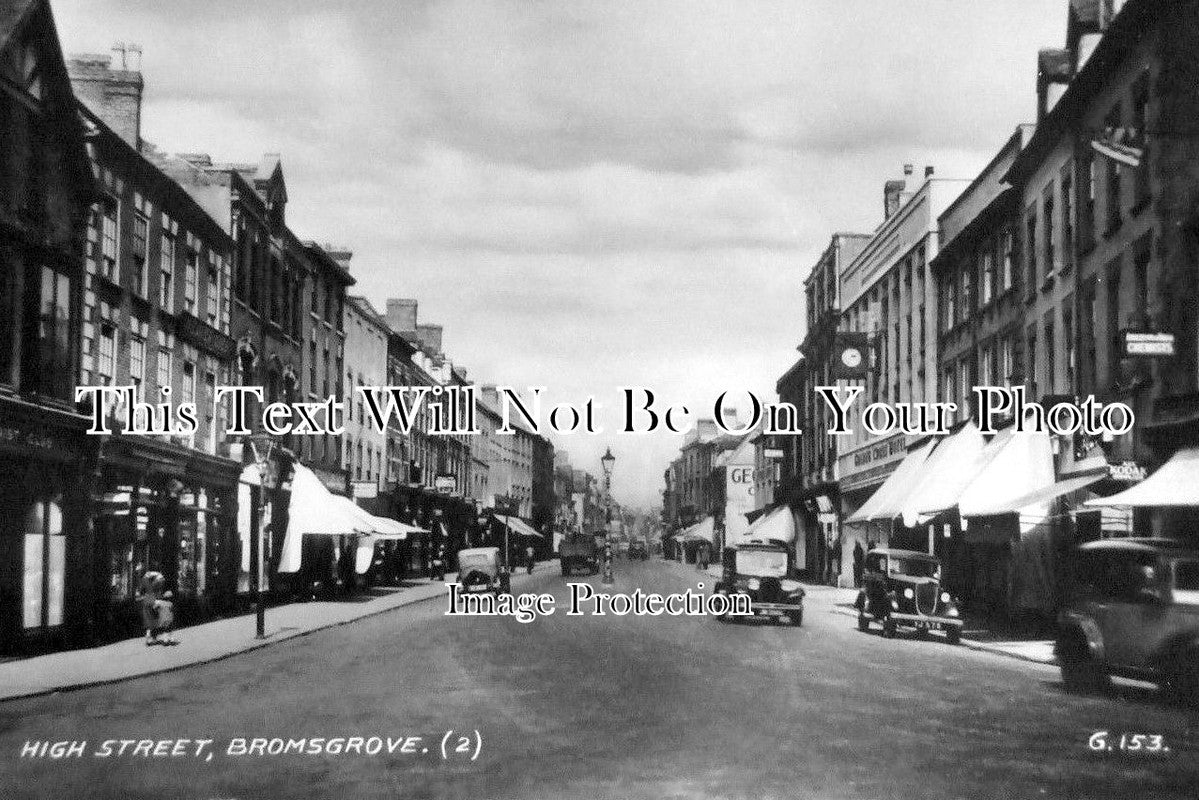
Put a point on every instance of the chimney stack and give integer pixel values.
(111, 87)
(1053, 76)
(401, 315)
(893, 195)
(928, 172)
(430, 338)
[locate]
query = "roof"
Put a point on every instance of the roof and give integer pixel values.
(13, 14)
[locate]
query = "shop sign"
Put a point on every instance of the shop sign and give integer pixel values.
(1141, 344)
(364, 490)
(445, 484)
(1128, 471)
(773, 453)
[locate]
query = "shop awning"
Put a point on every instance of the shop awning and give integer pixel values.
(777, 526)
(953, 464)
(885, 502)
(518, 525)
(704, 531)
(1020, 465)
(314, 511)
(1038, 497)
(1175, 483)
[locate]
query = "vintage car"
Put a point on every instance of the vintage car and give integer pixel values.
(765, 571)
(578, 551)
(1133, 611)
(638, 550)
(902, 589)
(479, 570)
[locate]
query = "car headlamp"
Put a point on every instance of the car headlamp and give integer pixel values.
(944, 597)
(753, 584)
(909, 594)
(895, 604)
(789, 586)
(953, 612)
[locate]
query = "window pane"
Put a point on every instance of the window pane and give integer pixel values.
(32, 590)
(56, 577)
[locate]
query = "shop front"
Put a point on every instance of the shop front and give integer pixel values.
(162, 507)
(46, 468)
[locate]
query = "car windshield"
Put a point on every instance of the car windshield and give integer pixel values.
(916, 567)
(762, 563)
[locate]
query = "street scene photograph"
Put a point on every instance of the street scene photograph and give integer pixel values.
(604, 399)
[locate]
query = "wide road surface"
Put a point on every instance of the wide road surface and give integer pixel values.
(606, 707)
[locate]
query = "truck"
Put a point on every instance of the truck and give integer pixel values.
(578, 551)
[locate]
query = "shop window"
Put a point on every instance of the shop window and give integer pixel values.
(44, 565)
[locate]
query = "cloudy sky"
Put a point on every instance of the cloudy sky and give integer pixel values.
(588, 195)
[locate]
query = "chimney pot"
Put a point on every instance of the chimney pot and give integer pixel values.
(907, 169)
(928, 171)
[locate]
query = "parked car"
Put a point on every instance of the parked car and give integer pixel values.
(637, 549)
(479, 570)
(1133, 611)
(578, 551)
(766, 572)
(902, 589)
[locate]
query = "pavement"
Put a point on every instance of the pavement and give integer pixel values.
(207, 642)
(613, 707)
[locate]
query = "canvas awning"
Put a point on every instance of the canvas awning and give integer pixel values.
(1175, 483)
(518, 525)
(884, 503)
(1039, 497)
(314, 511)
(704, 531)
(1021, 465)
(778, 526)
(947, 472)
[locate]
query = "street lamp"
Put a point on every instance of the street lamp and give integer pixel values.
(607, 461)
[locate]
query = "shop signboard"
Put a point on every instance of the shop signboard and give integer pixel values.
(364, 490)
(1142, 344)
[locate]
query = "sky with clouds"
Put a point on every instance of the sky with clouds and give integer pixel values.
(588, 195)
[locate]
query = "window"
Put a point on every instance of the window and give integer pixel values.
(987, 366)
(45, 551)
(966, 305)
(166, 272)
(273, 291)
(1030, 249)
(141, 232)
(1087, 329)
(965, 382)
(47, 335)
(213, 291)
(949, 313)
(1140, 123)
(1142, 251)
(106, 363)
(137, 353)
(191, 276)
(1008, 253)
(1112, 179)
(1113, 315)
(1047, 222)
(988, 275)
(1050, 354)
(108, 240)
(209, 409)
(1067, 180)
(1068, 344)
(1031, 378)
(1007, 360)
(164, 360)
(189, 378)
(1086, 206)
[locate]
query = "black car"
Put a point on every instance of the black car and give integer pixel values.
(765, 571)
(637, 549)
(902, 589)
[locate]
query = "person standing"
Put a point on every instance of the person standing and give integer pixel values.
(158, 612)
(859, 562)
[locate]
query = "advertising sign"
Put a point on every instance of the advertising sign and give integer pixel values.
(739, 499)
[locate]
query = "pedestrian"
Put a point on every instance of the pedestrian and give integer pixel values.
(859, 561)
(703, 557)
(158, 612)
(529, 557)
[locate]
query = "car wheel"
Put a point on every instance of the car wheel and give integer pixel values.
(1081, 674)
(863, 622)
(796, 618)
(565, 572)
(953, 634)
(889, 628)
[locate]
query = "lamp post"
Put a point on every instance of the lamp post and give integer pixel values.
(607, 462)
(272, 476)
